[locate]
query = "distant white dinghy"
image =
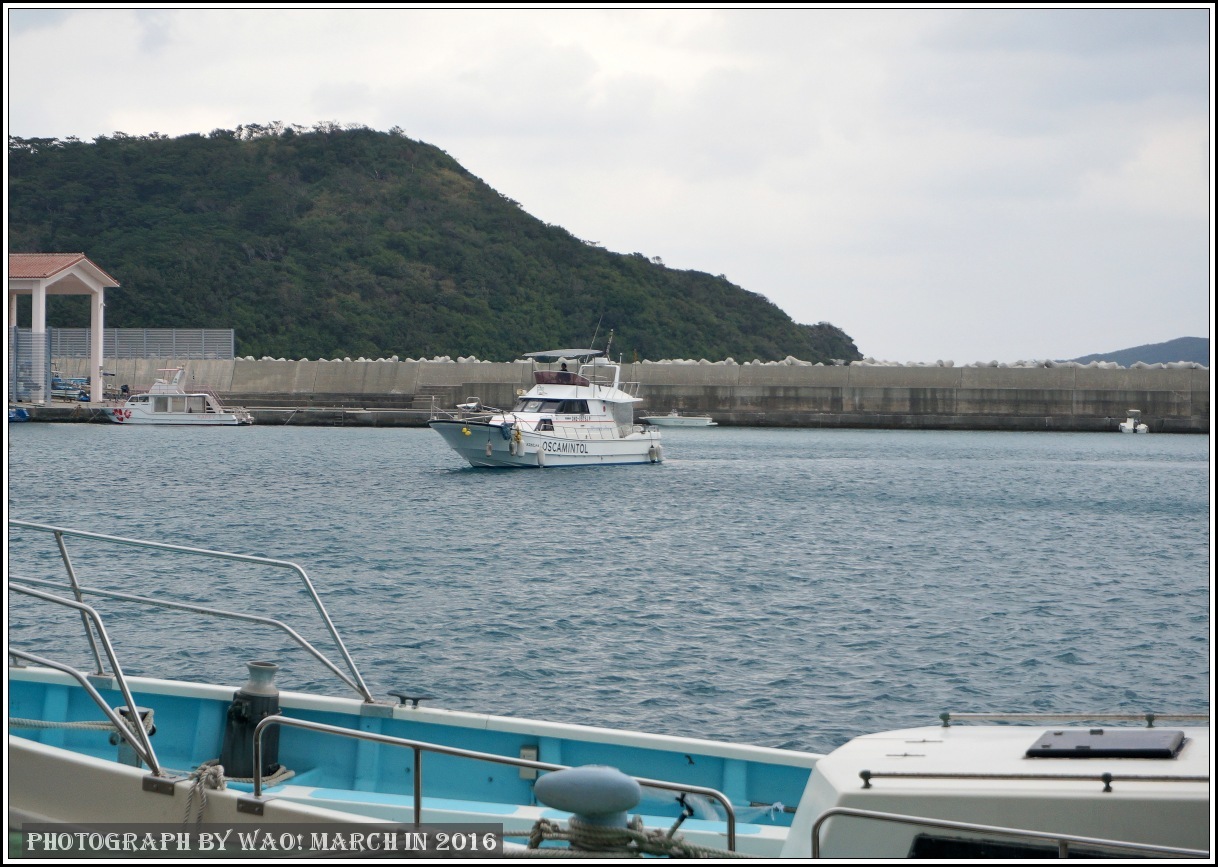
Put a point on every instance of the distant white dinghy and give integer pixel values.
(1134, 424)
(675, 419)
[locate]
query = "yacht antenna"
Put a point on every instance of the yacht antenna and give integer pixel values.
(597, 331)
(609, 343)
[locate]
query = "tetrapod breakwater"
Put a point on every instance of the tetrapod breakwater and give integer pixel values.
(388, 392)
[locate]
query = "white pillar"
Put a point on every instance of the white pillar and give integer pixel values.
(12, 309)
(38, 336)
(97, 337)
(38, 322)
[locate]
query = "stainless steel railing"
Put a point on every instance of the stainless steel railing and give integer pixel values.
(420, 747)
(351, 677)
(1149, 717)
(135, 735)
(1062, 841)
(1106, 778)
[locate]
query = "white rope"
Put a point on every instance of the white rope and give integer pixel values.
(269, 780)
(99, 725)
(83, 725)
(209, 775)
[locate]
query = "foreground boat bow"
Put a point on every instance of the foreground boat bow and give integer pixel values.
(101, 747)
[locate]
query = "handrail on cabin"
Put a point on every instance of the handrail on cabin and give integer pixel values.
(1063, 841)
(1149, 717)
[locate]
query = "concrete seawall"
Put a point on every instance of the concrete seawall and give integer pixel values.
(389, 393)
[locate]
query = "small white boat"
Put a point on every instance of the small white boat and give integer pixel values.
(1134, 424)
(167, 402)
(567, 419)
(675, 419)
(342, 763)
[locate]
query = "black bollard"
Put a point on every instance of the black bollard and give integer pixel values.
(252, 703)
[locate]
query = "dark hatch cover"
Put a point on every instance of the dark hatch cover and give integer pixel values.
(1107, 744)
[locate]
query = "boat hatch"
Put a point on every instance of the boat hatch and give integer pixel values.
(1107, 744)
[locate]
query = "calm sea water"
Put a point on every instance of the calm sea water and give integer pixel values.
(788, 588)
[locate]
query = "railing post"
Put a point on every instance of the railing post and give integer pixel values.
(67, 562)
(418, 786)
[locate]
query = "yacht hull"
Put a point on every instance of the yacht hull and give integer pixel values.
(485, 445)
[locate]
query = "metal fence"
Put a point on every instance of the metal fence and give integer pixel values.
(195, 343)
(29, 366)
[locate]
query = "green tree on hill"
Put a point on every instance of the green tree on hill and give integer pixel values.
(337, 241)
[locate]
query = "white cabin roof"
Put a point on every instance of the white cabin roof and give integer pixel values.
(996, 751)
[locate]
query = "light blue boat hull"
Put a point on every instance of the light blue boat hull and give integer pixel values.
(366, 781)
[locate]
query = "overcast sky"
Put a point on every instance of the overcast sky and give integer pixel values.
(942, 184)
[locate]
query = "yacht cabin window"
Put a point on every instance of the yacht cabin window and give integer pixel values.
(559, 407)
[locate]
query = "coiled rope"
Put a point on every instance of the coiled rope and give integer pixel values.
(210, 775)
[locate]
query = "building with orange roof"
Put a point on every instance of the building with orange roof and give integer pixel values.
(42, 274)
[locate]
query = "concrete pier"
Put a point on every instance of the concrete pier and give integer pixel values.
(397, 394)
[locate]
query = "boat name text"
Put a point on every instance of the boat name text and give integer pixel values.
(566, 448)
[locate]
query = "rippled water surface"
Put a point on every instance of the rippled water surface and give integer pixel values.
(780, 587)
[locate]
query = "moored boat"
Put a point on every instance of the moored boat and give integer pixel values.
(675, 419)
(352, 761)
(75, 388)
(168, 402)
(568, 418)
(1134, 423)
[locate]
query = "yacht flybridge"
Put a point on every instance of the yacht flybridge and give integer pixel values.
(568, 418)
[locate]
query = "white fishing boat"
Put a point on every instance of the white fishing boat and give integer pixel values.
(675, 419)
(205, 754)
(567, 419)
(1134, 423)
(167, 402)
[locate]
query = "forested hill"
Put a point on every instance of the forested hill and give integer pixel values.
(331, 242)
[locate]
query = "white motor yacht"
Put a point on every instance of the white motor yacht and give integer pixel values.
(568, 418)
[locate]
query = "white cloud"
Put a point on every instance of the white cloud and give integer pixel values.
(965, 184)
